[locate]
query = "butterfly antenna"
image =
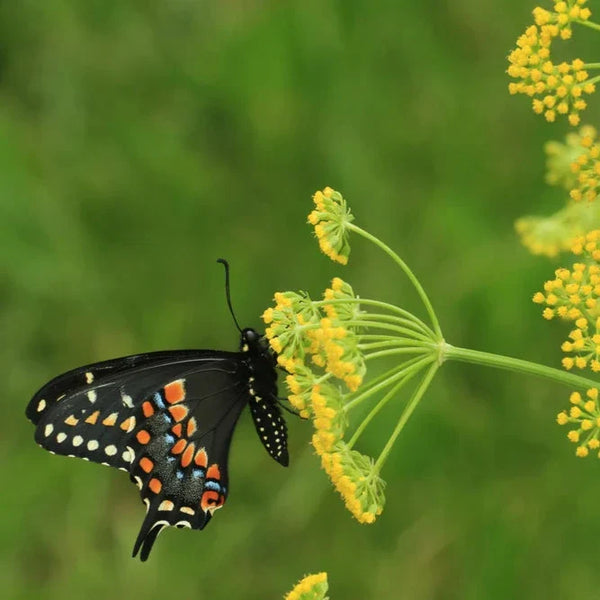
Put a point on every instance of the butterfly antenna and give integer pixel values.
(227, 293)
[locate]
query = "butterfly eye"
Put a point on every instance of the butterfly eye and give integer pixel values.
(251, 336)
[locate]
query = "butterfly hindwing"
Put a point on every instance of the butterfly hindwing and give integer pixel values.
(182, 452)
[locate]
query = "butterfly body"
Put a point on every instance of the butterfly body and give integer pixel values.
(167, 418)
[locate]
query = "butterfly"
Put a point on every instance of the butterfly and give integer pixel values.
(167, 418)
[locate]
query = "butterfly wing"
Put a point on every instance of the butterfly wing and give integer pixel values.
(166, 417)
(181, 455)
(271, 427)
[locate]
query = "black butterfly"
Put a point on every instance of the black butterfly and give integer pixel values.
(167, 418)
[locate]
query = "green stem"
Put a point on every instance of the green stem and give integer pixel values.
(591, 66)
(407, 375)
(389, 343)
(410, 407)
(387, 326)
(400, 322)
(381, 382)
(515, 364)
(589, 24)
(391, 307)
(407, 272)
(396, 351)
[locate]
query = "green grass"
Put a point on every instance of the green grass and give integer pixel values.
(141, 141)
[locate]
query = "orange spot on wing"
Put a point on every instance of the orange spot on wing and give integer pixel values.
(191, 427)
(186, 457)
(155, 485)
(146, 464)
(213, 472)
(174, 391)
(93, 418)
(178, 412)
(201, 458)
(71, 420)
(211, 500)
(128, 424)
(110, 420)
(143, 437)
(147, 409)
(176, 429)
(179, 446)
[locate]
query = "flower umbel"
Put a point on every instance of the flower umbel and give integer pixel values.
(586, 167)
(330, 219)
(556, 88)
(312, 587)
(573, 295)
(325, 346)
(585, 414)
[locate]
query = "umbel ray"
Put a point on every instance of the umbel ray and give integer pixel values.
(167, 418)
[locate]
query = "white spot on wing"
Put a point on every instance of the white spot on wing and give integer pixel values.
(110, 450)
(48, 429)
(93, 445)
(92, 396)
(77, 440)
(61, 437)
(89, 377)
(126, 400)
(41, 405)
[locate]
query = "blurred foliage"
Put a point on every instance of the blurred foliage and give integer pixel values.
(139, 141)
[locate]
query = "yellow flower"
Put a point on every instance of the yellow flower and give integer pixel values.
(561, 156)
(342, 305)
(586, 167)
(565, 12)
(573, 295)
(354, 477)
(549, 236)
(556, 89)
(330, 220)
(329, 418)
(312, 587)
(585, 413)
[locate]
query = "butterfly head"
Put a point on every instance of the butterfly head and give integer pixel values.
(253, 342)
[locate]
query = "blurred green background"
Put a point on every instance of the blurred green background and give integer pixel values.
(139, 141)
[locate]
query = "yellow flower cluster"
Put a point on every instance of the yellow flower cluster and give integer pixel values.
(337, 352)
(340, 306)
(563, 15)
(587, 168)
(556, 89)
(573, 295)
(298, 328)
(560, 167)
(287, 325)
(355, 479)
(329, 417)
(330, 220)
(586, 414)
(317, 342)
(312, 587)
(556, 233)
(300, 384)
